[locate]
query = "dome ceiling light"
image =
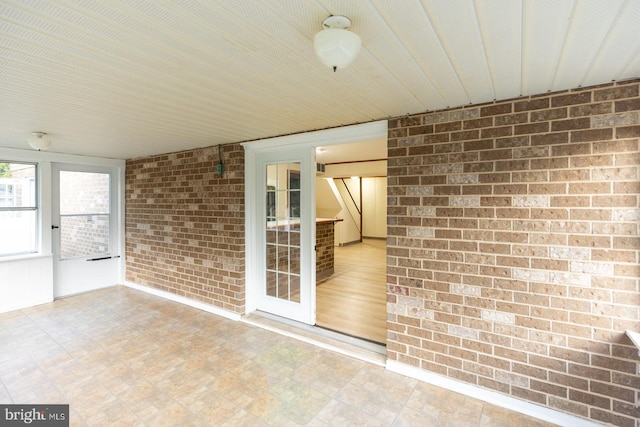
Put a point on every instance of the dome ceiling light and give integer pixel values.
(39, 141)
(336, 46)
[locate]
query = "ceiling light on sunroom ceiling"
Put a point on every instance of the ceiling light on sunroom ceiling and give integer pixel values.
(335, 45)
(39, 141)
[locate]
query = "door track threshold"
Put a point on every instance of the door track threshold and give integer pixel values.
(344, 344)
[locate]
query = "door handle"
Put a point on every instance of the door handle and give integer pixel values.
(53, 227)
(103, 258)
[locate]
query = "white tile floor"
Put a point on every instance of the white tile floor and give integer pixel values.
(122, 357)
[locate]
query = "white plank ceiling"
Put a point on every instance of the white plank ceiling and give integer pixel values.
(132, 78)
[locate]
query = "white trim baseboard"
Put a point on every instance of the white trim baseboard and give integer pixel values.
(184, 300)
(492, 397)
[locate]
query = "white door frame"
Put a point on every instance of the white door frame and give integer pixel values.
(253, 223)
(72, 276)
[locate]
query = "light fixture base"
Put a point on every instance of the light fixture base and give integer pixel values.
(339, 22)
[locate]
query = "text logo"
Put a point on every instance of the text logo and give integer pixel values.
(34, 415)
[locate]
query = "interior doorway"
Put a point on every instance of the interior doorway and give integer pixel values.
(270, 256)
(351, 185)
(352, 301)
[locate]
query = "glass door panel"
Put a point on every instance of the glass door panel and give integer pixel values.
(282, 229)
(84, 214)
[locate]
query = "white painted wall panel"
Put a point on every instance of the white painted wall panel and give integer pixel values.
(25, 282)
(327, 206)
(374, 207)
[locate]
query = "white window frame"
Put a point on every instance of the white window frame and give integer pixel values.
(35, 208)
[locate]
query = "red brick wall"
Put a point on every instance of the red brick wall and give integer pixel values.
(185, 225)
(325, 242)
(513, 248)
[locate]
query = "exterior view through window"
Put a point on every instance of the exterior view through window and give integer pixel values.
(18, 208)
(84, 214)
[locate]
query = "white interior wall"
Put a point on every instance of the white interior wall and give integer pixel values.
(329, 204)
(374, 207)
(25, 281)
(346, 231)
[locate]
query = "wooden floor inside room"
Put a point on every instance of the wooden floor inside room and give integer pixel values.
(353, 300)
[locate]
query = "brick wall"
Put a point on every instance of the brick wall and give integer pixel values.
(185, 225)
(84, 235)
(513, 248)
(325, 242)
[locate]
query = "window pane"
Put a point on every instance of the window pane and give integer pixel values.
(294, 288)
(84, 235)
(17, 232)
(272, 257)
(272, 283)
(294, 177)
(84, 193)
(18, 227)
(283, 231)
(294, 204)
(17, 185)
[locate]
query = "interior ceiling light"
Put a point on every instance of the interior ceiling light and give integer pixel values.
(335, 45)
(39, 141)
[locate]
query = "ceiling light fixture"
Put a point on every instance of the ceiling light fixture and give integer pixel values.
(335, 45)
(39, 141)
